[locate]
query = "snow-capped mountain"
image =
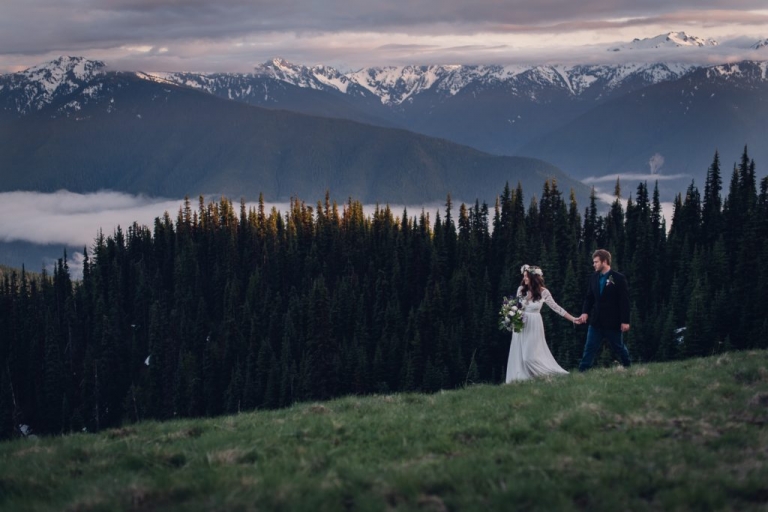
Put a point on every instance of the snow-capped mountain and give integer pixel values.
(241, 85)
(669, 40)
(760, 44)
(36, 87)
(685, 121)
(746, 73)
(492, 108)
(399, 85)
(552, 112)
(317, 77)
(278, 83)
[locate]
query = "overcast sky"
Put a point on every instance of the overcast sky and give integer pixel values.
(235, 35)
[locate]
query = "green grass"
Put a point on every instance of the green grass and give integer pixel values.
(676, 436)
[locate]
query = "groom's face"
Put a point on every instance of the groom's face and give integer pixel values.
(597, 264)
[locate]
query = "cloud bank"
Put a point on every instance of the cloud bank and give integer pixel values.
(69, 219)
(75, 220)
(234, 35)
(634, 177)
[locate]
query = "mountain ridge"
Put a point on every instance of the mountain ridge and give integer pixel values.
(395, 85)
(684, 122)
(398, 85)
(501, 110)
(141, 136)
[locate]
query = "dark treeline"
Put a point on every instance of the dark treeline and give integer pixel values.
(222, 310)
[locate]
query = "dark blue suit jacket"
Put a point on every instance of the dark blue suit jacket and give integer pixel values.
(611, 308)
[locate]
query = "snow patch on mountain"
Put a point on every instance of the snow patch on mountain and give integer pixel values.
(727, 70)
(330, 77)
(760, 45)
(72, 105)
(163, 78)
(92, 91)
(339, 83)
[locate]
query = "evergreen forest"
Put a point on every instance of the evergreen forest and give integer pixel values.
(225, 309)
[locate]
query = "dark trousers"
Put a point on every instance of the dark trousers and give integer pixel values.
(595, 337)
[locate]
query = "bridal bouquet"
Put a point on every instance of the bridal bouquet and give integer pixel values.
(511, 315)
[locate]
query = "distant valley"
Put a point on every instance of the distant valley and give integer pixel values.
(661, 118)
(70, 125)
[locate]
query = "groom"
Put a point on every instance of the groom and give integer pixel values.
(606, 306)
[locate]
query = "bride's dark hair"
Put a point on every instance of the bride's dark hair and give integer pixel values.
(537, 284)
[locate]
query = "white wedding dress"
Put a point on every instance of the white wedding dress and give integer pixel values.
(529, 355)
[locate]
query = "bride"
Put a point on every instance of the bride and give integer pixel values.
(529, 355)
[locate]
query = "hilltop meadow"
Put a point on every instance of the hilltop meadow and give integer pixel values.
(686, 435)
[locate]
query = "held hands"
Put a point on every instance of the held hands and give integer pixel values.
(578, 320)
(581, 319)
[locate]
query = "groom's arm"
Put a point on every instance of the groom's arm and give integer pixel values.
(589, 301)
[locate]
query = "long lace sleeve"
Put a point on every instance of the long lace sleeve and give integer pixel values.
(549, 301)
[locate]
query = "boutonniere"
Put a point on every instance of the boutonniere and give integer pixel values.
(610, 280)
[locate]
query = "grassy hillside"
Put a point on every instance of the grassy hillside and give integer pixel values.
(673, 436)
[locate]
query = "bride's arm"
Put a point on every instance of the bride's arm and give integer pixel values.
(549, 301)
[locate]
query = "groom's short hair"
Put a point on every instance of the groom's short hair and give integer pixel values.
(603, 255)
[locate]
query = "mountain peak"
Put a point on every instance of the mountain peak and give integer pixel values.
(79, 67)
(62, 73)
(278, 67)
(37, 86)
(683, 39)
(760, 44)
(317, 77)
(668, 40)
(279, 62)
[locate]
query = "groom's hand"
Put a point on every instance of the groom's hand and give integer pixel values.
(624, 327)
(582, 319)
